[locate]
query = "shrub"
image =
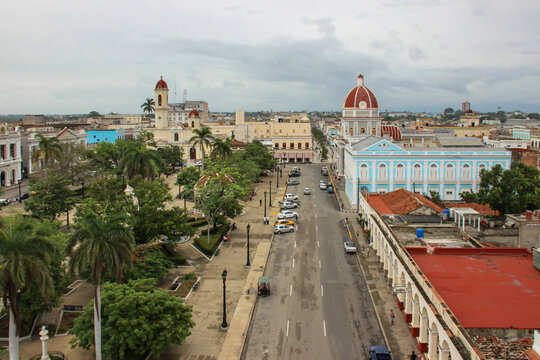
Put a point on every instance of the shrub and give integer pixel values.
(197, 223)
(172, 255)
(215, 240)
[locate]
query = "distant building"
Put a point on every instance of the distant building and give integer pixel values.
(10, 156)
(33, 119)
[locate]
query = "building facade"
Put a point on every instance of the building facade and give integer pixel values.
(10, 156)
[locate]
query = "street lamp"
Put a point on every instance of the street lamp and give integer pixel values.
(270, 193)
(248, 265)
(277, 177)
(20, 198)
(224, 325)
(265, 205)
(82, 183)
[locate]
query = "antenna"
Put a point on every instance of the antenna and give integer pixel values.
(185, 96)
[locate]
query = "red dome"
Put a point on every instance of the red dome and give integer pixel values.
(161, 84)
(360, 97)
(194, 113)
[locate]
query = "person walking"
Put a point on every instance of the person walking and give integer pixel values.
(392, 317)
(413, 356)
(260, 202)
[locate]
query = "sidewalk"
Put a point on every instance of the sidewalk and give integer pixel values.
(398, 336)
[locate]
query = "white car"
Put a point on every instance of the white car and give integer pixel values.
(349, 247)
(280, 229)
(198, 163)
(287, 215)
(307, 191)
(288, 205)
(293, 182)
(322, 186)
(291, 197)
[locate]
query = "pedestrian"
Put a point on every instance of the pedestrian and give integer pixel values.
(264, 220)
(413, 356)
(260, 202)
(357, 233)
(296, 217)
(392, 317)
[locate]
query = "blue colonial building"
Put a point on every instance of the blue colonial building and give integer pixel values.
(372, 158)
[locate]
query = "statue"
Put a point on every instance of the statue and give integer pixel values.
(43, 337)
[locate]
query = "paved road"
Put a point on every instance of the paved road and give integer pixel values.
(320, 306)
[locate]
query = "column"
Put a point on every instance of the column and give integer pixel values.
(444, 354)
(424, 328)
(415, 321)
(395, 279)
(390, 267)
(408, 305)
(433, 343)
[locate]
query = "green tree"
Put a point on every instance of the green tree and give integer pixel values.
(510, 191)
(435, 197)
(221, 149)
(100, 243)
(258, 153)
(148, 105)
(171, 156)
(105, 157)
(146, 139)
(188, 178)
(94, 114)
(448, 110)
(49, 149)
(203, 137)
(137, 160)
(137, 319)
(24, 257)
(52, 197)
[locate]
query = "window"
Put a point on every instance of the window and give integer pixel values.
(284, 145)
(417, 171)
(159, 100)
(400, 172)
(466, 172)
(292, 145)
(362, 130)
(363, 171)
(193, 124)
(480, 168)
(382, 172)
(307, 146)
(175, 136)
(433, 171)
(276, 145)
(449, 171)
(299, 145)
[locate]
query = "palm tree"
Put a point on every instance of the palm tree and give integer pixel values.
(140, 161)
(49, 149)
(24, 258)
(203, 137)
(222, 149)
(148, 105)
(100, 243)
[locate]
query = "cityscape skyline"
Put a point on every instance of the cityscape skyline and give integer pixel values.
(415, 55)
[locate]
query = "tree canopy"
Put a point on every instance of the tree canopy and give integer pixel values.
(137, 319)
(52, 197)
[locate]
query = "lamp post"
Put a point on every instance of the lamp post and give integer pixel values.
(184, 196)
(281, 173)
(179, 190)
(270, 194)
(82, 183)
(277, 177)
(224, 325)
(20, 198)
(248, 264)
(265, 204)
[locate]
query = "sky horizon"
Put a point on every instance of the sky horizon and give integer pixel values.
(66, 57)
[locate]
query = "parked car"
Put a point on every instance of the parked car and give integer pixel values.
(330, 189)
(284, 222)
(324, 171)
(291, 197)
(287, 214)
(280, 229)
(307, 191)
(288, 205)
(349, 247)
(379, 353)
(322, 186)
(293, 182)
(295, 173)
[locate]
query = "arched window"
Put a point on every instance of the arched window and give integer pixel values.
(159, 100)
(417, 172)
(193, 124)
(433, 171)
(383, 175)
(480, 168)
(449, 171)
(363, 171)
(175, 136)
(400, 172)
(466, 172)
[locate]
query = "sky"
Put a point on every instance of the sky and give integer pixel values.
(61, 57)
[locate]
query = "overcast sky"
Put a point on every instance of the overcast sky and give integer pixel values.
(75, 56)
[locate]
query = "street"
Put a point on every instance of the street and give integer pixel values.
(319, 307)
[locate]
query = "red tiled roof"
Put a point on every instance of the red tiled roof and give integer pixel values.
(401, 202)
(194, 113)
(161, 84)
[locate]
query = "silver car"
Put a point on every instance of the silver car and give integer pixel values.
(280, 229)
(307, 191)
(288, 205)
(293, 182)
(349, 247)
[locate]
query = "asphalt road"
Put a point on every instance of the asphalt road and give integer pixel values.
(320, 307)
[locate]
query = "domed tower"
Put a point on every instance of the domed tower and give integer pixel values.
(194, 119)
(162, 104)
(360, 116)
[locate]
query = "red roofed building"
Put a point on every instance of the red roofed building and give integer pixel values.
(360, 114)
(403, 202)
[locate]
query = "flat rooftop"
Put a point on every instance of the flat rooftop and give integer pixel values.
(485, 288)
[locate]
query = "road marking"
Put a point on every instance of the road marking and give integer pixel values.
(295, 243)
(318, 243)
(322, 291)
(288, 328)
(317, 227)
(290, 291)
(319, 264)
(293, 262)
(323, 324)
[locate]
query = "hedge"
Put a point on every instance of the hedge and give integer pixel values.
(171, 254)
(215, 240)
(197, 223)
